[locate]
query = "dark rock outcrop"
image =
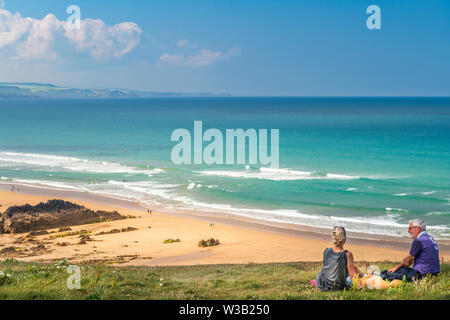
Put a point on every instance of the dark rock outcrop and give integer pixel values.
(129, 229)
(209, 243)
(49, 215)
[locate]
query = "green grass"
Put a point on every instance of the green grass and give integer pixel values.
(251, 281)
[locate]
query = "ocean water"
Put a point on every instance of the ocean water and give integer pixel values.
(369, 164)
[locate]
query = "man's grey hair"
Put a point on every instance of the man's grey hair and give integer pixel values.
(419, 223)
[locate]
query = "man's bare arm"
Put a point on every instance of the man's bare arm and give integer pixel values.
(407, 261)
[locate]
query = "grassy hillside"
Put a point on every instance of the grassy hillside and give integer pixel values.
(252, 281)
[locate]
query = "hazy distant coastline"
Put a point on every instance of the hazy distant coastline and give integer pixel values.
(50, 91)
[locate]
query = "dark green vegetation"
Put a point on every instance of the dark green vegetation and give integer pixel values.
(252, 281)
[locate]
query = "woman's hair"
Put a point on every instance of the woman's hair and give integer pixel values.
(339, 236)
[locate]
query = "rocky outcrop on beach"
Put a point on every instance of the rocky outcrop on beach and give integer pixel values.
(208, 243)
(49, 215)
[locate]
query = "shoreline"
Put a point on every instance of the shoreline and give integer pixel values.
(243, 240)
(311, 232)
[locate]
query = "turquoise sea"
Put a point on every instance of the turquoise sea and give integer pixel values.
(369, 164)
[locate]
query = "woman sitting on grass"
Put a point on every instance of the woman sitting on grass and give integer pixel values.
(338, 266)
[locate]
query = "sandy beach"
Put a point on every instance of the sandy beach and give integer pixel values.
(241, 241)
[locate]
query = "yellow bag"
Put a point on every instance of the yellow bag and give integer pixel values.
(376, 282)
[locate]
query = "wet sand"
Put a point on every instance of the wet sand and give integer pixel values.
(241, 240)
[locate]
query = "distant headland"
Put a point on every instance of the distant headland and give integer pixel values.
(30, 90)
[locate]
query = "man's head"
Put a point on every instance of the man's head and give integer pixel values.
(416, 226)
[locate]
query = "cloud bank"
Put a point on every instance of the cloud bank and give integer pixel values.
(44, 39)
(202, 59)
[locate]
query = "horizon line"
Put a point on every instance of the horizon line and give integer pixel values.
(213, 94)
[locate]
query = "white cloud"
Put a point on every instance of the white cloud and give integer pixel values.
(102, 41)
(12, 28)
(34, 39)
(202, 59)
(38, 38)
(182, 43)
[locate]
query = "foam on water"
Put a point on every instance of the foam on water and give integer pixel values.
(11, 159)
(53, 185)
(437, 213)
(145, 191)
(397, 210)
(426, 193)
(384, 224)
(183, 196)
(278, 174)
(151, 192)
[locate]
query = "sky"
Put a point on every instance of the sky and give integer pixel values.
(237, 47)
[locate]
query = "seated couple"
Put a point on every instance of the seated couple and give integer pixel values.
(339, 268)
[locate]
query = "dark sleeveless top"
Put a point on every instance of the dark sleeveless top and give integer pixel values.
(334, 273)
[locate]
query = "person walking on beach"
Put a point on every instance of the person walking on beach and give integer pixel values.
(339, 269)
(424, 253)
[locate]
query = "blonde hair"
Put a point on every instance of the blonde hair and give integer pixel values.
(339, 236)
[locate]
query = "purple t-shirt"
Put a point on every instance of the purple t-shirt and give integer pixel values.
(425, 251)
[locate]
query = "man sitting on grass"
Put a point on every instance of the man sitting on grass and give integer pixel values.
(424, 252)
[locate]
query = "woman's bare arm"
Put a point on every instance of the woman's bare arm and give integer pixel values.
(353, 271)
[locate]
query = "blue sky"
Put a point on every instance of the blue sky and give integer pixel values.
(294, 48)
